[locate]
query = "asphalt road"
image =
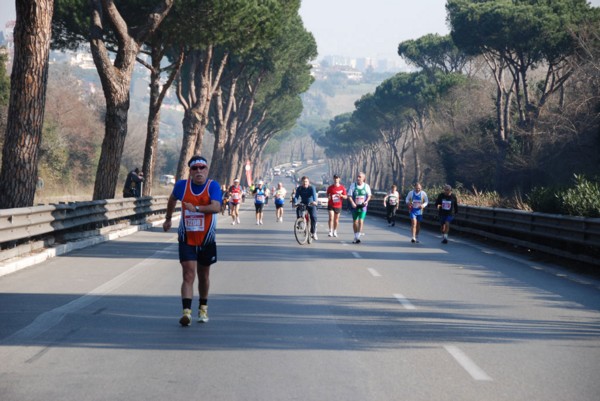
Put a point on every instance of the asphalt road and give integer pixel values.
(381, 320)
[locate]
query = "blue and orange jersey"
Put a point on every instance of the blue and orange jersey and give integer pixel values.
(197, 228)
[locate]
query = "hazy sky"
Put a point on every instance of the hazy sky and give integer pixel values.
(355, 28)
(371, 28)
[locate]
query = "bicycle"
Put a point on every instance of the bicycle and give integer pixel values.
(302, 225)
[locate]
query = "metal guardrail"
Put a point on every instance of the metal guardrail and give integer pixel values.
(570, 237)
(48, 224)
(575, 238)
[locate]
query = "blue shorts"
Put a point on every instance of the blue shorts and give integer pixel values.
(414, 216)
(205, 256)
(446, 219)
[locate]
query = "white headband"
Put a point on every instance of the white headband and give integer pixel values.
(198, 161)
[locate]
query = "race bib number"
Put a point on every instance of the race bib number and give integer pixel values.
(446, 205)
(260, 198)
(336, 198)
(393, 201)
(416, 204)
(235, 196)
(194, 221)
(360, 199)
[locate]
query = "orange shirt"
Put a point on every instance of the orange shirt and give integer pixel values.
(197, 228)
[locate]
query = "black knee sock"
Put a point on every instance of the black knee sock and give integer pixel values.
(187, 303)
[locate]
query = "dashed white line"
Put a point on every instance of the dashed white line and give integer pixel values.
(374, 272)
(405, 302)
(467, 364)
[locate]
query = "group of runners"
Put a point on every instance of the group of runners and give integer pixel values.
(201, 198)
(358, 196)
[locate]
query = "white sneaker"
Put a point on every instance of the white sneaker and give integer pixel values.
(257, 223)
(335, 233)
(330, 234)
(315, 236)
(261, 222)
(233, 223)
(237, 220)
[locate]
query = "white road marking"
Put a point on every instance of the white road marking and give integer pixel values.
(374, 272)
(467, 364)
(405, 302)
(356, 255)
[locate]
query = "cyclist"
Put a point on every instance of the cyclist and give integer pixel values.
(306, 194)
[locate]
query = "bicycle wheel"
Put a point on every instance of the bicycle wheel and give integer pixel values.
(300, 230)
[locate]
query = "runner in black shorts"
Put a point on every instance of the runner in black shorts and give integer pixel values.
(336, 193)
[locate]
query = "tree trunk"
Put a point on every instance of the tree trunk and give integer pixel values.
(200, 84)
(191, 126)
(157, 95)
(116, 81)
(32, 33)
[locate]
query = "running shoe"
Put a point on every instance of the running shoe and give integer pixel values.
(186, 319)
(444, 241)
(413, 240)
(203, 314)
(237, 220)
(357, 241)
(315, 236)
(330, 234)
(335, 233)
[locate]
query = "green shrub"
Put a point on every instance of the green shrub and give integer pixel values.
(581, 200)
(544, 200)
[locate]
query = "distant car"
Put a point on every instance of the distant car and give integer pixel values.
(167, 179)
(295, 164)
(322, 199)
(276, 171)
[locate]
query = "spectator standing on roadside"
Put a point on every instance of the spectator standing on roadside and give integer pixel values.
(390, 202)
(447, 205)
(416, 201)
(133, 184)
